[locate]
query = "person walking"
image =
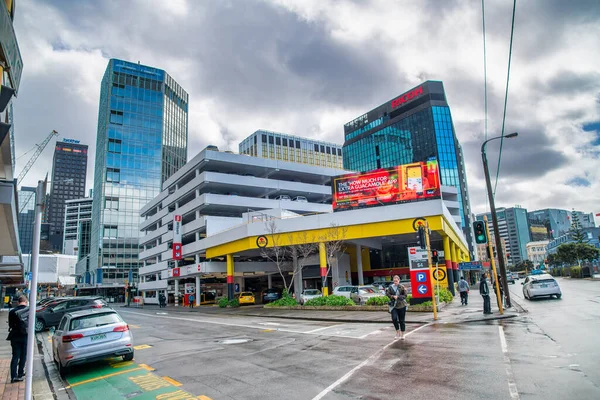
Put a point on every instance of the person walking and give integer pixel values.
(463, 289)
(397, 295)
(191, 299)
(161, 300)
(17, 335)
(484, 290)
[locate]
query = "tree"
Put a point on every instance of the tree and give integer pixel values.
(275, 252)
(554, 260)
(301, 248)
(333, 238)
(577, 233)
(569, 253)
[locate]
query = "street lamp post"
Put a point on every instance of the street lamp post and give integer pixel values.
(495, 217)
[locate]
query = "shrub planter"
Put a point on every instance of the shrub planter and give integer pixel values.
(417, 308)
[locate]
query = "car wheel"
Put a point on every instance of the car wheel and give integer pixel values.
(62, 371)
(39, 325)
(128, 357)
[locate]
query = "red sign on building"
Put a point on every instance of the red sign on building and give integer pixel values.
(400, 100)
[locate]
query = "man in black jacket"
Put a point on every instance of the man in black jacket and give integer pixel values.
(484, 290)
(17, 335)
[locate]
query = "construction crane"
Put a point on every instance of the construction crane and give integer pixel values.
(34, 157)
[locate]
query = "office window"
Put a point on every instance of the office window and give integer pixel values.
(114, 146)
(111, 203)
(264, 138)
(328, 150)
(316, 147)
(322, 149)
(285, 142)
(116, 117)
(297, 144)
(278, 141)
(339, 152)
(110, 231)
(271, 140)
(113, 175)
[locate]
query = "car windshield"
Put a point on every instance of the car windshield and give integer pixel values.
(311, 292)
(94, 320)
(367, 290)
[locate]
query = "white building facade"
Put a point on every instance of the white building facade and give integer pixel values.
(536, 251)
(78, 215)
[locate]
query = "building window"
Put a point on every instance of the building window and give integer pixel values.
(316, 147)
(113, 175)
(271, 141)
(116, 117)
(322, 149)
(297, 144)
(264, 138)
(111, 203)
(114, 146)
(278, 141)
(285, 142)
(110, 231)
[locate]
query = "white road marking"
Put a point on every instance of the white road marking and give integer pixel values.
(262, 327)
(272, 347)
(325, 327)
(344, 378)
(512, 386)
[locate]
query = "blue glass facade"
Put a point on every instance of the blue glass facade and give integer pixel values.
(413, 127)
(26, 218)
(141, 142)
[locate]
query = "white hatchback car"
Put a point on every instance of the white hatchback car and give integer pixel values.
(541, 285)
(90, 335)
(310, 294)
(343, 291)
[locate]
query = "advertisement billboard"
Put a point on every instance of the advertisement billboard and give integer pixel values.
(402, 184)
(177, 246)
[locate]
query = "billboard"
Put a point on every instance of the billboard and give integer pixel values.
(402, 184)
(177, 246)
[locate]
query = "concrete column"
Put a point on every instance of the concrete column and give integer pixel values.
(176, 292)
(230, 272)
(361, 278)
(297, 278)
(198, 290)
(448, 263)
(269, 281)
(335, 273)
(323, 265)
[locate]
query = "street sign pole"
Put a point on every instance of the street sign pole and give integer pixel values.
(493, 263)
(430, 270)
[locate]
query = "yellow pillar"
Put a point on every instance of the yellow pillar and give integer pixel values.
(323, 264)
(230, 271)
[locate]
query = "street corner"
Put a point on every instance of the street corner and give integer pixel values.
(117, 379)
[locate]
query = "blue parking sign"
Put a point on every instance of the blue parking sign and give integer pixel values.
(421, 277)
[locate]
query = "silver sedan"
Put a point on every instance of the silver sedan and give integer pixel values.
(90, 335)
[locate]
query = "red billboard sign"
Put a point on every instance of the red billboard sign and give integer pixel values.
(401, 184)
(400, 100)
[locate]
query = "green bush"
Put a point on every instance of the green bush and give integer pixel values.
(223, 302)
(426, 304)
(284, 301)
(234, 303)
(378, 301)
(330, 301)
(408, 298)
(445, 295)
(575, 272)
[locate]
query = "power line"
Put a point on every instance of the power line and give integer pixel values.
(512, 31)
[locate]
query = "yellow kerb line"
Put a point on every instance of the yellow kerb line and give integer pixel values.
(104, 377)
(172, 381)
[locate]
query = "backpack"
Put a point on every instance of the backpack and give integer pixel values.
(23, 320)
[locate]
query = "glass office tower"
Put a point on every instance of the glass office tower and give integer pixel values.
(26, 218)
(141, 142)
(414, 126)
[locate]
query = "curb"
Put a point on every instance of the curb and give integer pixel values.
(494, 318)
(344, 320)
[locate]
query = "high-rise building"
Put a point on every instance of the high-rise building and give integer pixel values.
(557, 222)
(414, 126)
(69, 170)
(26, 217)
(141, 142)
(279, 146)
(78, 227)
(514, 229)
(483, 253)
(11, 67)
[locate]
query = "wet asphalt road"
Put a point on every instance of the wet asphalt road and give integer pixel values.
(548, 353)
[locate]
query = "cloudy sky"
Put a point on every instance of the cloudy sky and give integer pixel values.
(306, 67)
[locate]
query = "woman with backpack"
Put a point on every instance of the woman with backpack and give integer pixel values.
(397, 294)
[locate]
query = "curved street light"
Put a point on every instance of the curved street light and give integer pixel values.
(495, 217)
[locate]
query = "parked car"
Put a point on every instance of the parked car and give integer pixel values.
(541, 285)
(246, 298)
(510, 278)
(310, 294)
(361, 294)
(51, 315)
(343, 290)
(270, 295)
(283, 197)
(380, 288)
(90, 335)
(407, 285)
(300, 199)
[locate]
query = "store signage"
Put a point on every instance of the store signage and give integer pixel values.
(398, 101)
(396, 185)
(262, 242)
(71, 141)
(177, 245)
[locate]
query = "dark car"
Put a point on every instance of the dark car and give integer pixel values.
(510, 278)
(51, 315)
(270, 295)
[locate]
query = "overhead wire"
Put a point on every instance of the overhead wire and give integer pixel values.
(512, 31)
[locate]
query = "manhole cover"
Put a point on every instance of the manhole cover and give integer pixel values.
(235, 341)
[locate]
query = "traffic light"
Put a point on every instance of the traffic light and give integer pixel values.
(421, 237)
(435, 257)
(480, 235)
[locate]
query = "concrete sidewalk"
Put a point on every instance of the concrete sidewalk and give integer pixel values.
(452, 313)
(16, 391)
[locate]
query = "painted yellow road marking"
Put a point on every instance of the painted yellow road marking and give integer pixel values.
(268, 330)
(147, 367)
(99, 378)
(178, 395)
(204, 398)
(149, 382)
(142, 347)
(121, 364)
(134, 326)
(172, 381)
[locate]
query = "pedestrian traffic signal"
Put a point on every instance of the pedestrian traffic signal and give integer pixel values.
(480, 235)
(435, 257)
(421, 237)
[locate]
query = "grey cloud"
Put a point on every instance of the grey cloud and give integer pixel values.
(570, 82)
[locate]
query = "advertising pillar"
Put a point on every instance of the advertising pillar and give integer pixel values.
(230, 294)
(448, 255)
(176, 292)
(361, 278)
(198, 291)
(323, 264)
